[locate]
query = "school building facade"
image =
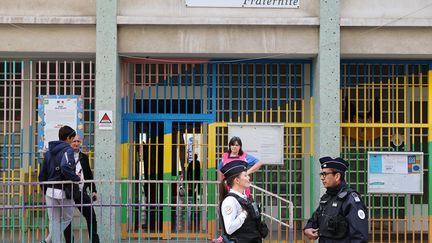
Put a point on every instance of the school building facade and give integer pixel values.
(342, 77)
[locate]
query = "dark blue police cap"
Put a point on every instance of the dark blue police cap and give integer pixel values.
(336, 163)
(234, 168)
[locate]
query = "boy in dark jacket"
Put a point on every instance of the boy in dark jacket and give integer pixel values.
(59, 165)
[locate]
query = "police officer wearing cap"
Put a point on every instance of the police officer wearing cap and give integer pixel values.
(341, 215)
(239, 214)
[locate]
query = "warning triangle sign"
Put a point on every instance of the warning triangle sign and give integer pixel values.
(105, 119)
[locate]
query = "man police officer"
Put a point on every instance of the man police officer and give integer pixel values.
(341, 215)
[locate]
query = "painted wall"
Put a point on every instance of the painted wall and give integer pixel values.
(227, 41)
(48, 8)
(387, 28)
(47, 38)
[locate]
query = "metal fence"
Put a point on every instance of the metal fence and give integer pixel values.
(385, 107)
(27, 220)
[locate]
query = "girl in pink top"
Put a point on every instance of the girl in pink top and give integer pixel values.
(235, 152)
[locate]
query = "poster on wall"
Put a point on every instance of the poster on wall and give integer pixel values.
(55, 111)
(395, 172)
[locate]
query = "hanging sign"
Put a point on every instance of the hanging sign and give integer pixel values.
(105, 120)
(244, 3)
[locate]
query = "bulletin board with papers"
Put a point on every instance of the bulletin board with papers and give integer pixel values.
(262, 140)
(395, 172)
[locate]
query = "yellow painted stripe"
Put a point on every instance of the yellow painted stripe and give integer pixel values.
(429, 113)
(429, 145)
(124, 161)
(311, 127)
(286, 125)
(387, 125)
(167, 167)
(212, 144)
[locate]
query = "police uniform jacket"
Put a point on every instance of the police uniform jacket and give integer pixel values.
(237, 222)
(352, 210)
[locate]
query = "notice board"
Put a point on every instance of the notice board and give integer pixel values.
(395, 172)
(55, 111)
(262, 140)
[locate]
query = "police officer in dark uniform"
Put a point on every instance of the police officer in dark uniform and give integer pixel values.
(341, 215)
(241, 218)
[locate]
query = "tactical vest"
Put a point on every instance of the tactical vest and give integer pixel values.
(248, 232)
(330, 218)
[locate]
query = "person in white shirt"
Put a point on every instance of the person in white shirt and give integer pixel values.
(239, 220)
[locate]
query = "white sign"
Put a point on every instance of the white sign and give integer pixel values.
(244, 3)
(55, 112)
(105, 121)
(262, 140)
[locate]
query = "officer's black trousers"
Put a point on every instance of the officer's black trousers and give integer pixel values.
(90, 216)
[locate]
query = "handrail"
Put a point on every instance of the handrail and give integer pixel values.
(290, 205)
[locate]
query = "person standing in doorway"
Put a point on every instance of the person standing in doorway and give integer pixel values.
(341, 215)
(59, 165)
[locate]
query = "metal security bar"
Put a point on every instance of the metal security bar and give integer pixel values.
(21, 84)
(34, 227)
(172, 98)
(384, 108)
(272, 91)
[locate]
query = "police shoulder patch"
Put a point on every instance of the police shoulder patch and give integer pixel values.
(356, 197)
(361, 214)
(228, 210)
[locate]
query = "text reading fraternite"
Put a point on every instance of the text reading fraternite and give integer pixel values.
(271, 3)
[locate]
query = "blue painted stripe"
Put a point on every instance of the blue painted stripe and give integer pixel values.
(129, 117)
(238, 94)
(223, 92)
(89, 145)
(4, 152)
(271, 87)
(230, 92)
(13, 150)
(261, 61)
(213, 98)
(295, 82)
(246, 83)
(311, 80)
(377, 61)
(254, 89)
(278, 84)
(21, 152)
(193, 82)
(302, 81)
(30, 145)
(167, 128)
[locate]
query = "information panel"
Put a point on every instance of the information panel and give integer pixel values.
(395, 172)
(57, 111)
(262, 140)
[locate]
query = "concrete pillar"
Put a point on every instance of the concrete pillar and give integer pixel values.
(108, 95)
(326, 90)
